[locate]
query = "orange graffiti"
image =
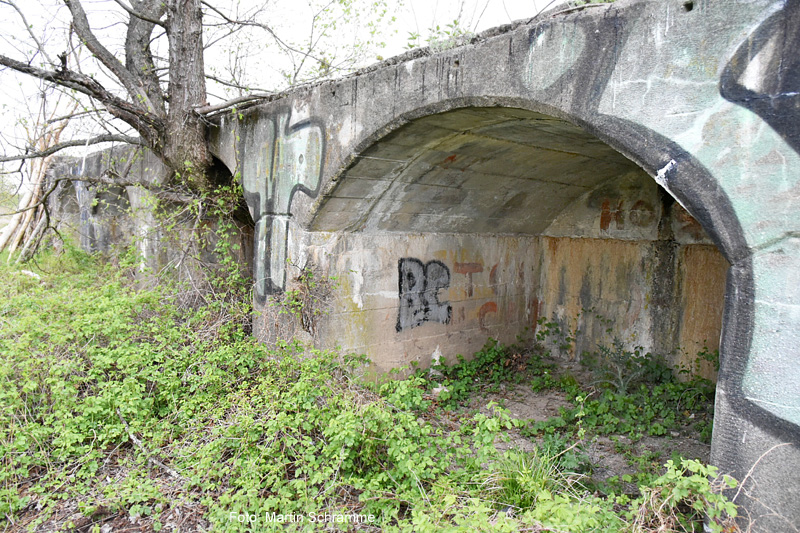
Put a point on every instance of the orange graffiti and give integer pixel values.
(607, 215)
(488, 307)
(493, 278)
(468, 269)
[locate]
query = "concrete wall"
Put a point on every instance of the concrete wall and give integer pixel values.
(108, 219)
(101, 217)
(622, 260)
(404, 296)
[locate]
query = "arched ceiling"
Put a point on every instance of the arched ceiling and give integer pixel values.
(472, 170)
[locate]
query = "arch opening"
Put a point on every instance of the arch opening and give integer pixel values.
(480, 222)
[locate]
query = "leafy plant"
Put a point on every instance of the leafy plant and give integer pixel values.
(308, 298)
(620, 367)
(441, 37)
(690, 486)
(133, 404)
(491, 367)
(521, 479)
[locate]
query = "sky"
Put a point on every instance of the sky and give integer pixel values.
(249, 57)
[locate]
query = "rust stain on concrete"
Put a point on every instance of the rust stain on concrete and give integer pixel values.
(602, 274)
(703, 270)
(468, 269)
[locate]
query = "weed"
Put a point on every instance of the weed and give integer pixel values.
(690, 486)
(308, 298)
(521, 479)
(491, 367)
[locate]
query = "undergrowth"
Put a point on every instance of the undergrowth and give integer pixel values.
(633, 393)
(119, 405)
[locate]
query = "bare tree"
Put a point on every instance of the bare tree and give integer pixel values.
(27, 225)
(174, 131)
(154, 78)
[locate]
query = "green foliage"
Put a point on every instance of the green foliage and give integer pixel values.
(635, 393)
(340, 35)
(119, 401)
(621, 367)
(649, 409)
(8, 196)
(638, 393)
(308, 297)
(556, 334)
(245, 428)
(690, 486)
(492, 366)
(524, 479)
(442, 38)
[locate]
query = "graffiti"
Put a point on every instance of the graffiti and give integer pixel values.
(279, 159)
(468, 269)
(642, 214)
(764, 74)
(419, 286)
(607, 215)
(488, 307)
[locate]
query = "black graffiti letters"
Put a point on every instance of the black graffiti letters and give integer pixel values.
(419, 286)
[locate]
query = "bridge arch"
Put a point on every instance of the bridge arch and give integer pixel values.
(531, 217)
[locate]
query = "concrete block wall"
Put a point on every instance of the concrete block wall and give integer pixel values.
(403, 297)
(598, 273)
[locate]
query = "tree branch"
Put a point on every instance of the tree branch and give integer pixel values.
(149, 125)
(109, 60)
(29, 28)
(251, 23)
(204, 110)
(115, 180)
(236, 85)
(139, 15)
(69, 144)
(138, 53)
(73, 115)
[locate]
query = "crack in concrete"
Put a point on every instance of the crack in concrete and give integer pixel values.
(772, 242)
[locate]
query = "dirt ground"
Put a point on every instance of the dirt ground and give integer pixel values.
(603, 452)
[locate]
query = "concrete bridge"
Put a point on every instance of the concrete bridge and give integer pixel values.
(632, 167)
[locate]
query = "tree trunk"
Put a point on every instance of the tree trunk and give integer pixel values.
(185, 148)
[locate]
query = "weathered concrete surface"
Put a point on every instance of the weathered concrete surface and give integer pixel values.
(372, 171)
(597, 266)
(102, 218)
